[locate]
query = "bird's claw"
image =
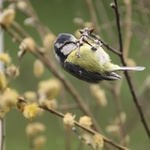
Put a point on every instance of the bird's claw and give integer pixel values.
(78, 54)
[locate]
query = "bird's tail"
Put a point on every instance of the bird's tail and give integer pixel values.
(136, 68)
(115, 76)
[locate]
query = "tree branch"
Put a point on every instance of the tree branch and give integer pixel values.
(138, 106)
(55, 112)
(105, 44)
(93, 16)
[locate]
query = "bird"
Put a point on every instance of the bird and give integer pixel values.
(92, 64)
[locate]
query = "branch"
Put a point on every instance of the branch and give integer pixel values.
(116, 94)
(115, 7)
(138, 106)
(128, 27)
(55, 112)
(105, 44)
(68, 106)
(92, 12)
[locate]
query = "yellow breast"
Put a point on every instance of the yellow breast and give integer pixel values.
(90, 60)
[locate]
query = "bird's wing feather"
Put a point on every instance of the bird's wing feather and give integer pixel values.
(88, 76)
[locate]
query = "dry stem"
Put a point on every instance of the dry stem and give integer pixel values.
(86, 129)
(138, 106)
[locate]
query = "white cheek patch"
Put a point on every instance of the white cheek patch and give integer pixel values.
(57, 44)
(68, 49)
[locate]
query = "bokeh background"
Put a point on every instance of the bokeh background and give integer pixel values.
(58, 16)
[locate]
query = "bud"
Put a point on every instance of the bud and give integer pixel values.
(126, 139)
(28, 43)
(127, 2)
(12, 71)
(48, 41)
(38, 68)
(21, 104)
(30, 111)
(9, 98)
(85, 121)
(88, 24)
(33, 129)
(130, 62)
(30, 21)
(7, 17)
(52, 104)
(50, 88)
(122, 116)
(78, 21)
(146, 87)
(114, 129)
(68, 120)
(30, 96)
(112, 5)
(5, 58)
(99, 94)
(39, 142)
(87, 138)
(77, 34)
(98, 142)
(40, 111)
(22, 5)
(3, 111)
(22, 50)
(3, 81)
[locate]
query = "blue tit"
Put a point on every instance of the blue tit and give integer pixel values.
(93, 65)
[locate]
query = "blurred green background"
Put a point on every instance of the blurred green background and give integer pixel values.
(58, 15)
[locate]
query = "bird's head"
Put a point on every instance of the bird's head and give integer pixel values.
(63, 46)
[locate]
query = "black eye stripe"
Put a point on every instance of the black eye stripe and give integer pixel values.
(67, 42)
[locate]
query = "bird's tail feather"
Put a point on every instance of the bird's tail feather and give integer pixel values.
(136, 68)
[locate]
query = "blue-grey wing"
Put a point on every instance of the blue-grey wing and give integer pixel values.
(88, 76)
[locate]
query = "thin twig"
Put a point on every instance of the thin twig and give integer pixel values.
(106, 45)
(89, 130)
(93, 15)
(116, 94)
(68, 106)
(138, 106)
(20, 30)
(40, 27)
(68, 139)
(128, 27)
(102, 14)
(115, 7)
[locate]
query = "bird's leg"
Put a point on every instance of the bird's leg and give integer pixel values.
(87, 34)
(80, 43)
(98, 43)
(78, 52)
(83, 38)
